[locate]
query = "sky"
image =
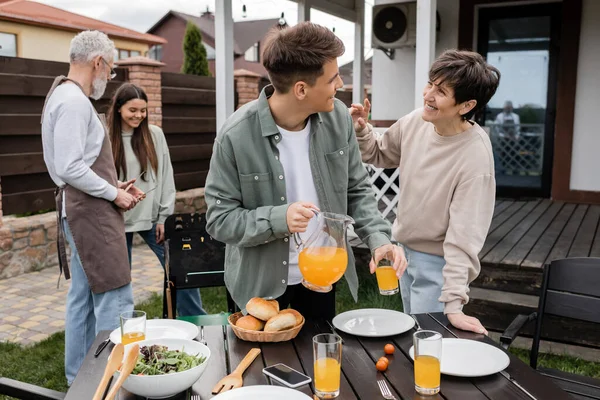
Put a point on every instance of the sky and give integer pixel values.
(140, 15)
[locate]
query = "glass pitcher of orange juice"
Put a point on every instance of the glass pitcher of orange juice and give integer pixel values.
(323, 259)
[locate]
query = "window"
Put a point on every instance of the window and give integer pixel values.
(135, 53)
(210, 52)
(123, 54)
(155, 52)
(8, 44)
(252, 53)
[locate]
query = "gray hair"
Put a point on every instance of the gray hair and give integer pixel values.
(89, 44)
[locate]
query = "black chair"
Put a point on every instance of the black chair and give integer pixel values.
(26, 391)
(570, 289)
(193, 259)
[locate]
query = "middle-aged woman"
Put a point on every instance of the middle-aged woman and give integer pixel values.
(447, 185)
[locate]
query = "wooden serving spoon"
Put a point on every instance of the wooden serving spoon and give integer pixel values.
(128, 365)
(114, 361)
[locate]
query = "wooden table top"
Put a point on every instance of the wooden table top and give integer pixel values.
(359, 378)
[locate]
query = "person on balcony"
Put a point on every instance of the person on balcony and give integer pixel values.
(90, 200)
(508, 122)
(280, 156)
(447, 184)
(140, 151)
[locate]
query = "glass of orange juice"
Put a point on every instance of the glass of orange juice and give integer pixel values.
(327, 350)
(386, 277)
(428, 356)
(133, 326)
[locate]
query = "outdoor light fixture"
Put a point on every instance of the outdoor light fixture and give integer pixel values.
(282, 20)
(244, 13)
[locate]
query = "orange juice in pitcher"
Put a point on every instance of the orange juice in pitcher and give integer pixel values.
(323, 259)
(323, 266)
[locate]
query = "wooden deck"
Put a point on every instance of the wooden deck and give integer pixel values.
(532, 233)
(523, 237)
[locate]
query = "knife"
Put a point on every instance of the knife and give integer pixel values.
(514, 382)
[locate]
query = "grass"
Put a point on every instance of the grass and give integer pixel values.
(25, 363)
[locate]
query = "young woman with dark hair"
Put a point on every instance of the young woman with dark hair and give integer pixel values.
(140, 151)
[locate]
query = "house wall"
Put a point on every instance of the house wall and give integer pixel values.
(586, 141)
(393, 81)
(173, 29)
(52, 44)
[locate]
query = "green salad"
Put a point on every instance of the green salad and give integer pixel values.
(159, 360)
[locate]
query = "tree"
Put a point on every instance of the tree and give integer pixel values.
(194, 52)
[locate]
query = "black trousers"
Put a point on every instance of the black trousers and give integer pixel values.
(312, 305)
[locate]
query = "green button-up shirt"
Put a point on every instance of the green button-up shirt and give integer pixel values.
(246, 197)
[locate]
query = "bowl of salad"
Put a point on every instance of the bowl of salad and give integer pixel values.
(166, 367)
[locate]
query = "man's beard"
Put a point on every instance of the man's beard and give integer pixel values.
(98, 88)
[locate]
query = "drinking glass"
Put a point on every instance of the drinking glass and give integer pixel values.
(133, 326)
(327, 350)
(428, 357)
(387, 281)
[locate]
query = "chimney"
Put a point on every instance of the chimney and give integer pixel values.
(206, 14)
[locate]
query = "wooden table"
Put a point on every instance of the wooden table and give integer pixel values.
(359, 378)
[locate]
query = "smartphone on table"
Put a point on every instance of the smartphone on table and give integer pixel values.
(286, 375)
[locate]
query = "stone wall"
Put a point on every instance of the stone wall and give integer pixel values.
(29, 244)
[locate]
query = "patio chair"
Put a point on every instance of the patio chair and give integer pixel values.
(570, 289)
(26, 391)
(193, 259)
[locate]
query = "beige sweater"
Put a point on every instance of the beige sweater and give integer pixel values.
(447, 195)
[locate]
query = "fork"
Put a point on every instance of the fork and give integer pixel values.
(203, 341)
(195, 397)
(385, 390)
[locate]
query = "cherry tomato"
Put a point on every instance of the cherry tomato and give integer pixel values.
(385, 360)
(389, 349)
(381, 365)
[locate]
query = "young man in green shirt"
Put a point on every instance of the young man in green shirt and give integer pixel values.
(276, 158)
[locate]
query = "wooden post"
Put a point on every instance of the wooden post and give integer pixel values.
(425, 51)
(145, 73)
(224, 60)
(359, 53)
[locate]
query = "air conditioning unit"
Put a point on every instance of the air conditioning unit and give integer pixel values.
(394, 25)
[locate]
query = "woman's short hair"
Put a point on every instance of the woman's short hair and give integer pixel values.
(468, 74)
(298, 53)
(87, 45)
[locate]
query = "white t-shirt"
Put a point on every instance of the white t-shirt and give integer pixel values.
(300, 186)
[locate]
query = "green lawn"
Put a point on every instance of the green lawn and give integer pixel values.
(42, 364)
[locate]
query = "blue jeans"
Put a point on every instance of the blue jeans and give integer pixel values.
(88, 313)
(188, 300)
(421, 284)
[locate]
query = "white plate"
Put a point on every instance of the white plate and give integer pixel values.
(469, 358)
(373, 322)
(262, 392)
(163, 328)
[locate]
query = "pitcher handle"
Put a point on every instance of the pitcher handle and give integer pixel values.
(297, 238)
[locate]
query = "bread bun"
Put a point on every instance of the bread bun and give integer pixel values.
(261, 308)
(295, 313)
(250, 323)
(280, 322)
(275, 304)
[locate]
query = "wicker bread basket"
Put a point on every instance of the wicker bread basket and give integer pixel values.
(260, 336)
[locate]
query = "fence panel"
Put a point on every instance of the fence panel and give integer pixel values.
(190, 125)
(26, 185)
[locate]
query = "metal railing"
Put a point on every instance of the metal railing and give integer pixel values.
(518, 149)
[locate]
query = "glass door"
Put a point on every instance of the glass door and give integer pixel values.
(522, 42)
